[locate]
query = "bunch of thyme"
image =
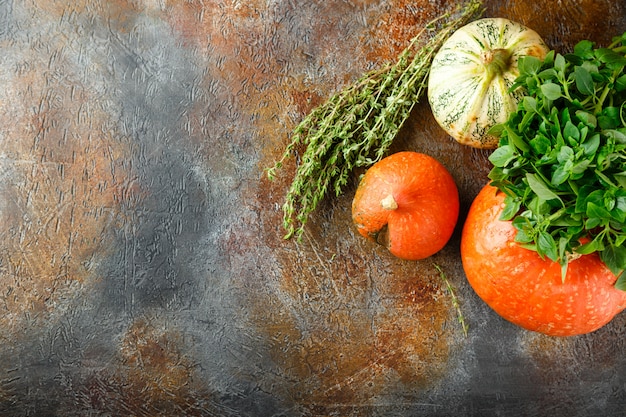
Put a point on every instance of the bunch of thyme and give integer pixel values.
(355, 127)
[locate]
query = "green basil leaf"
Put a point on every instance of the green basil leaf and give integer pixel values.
(584, 49)
(497, 176)
(496, 130)
(620, 83)
(618, 214)
(511, 207)
(620, 203)
(615, 133)
(590, 146)
(620, 177)
(516, 140)
(584, 82)
(540, 144)
(563, 249)
(570, 131)
(559, 63)
(560, 175)
(615, 258)
(581, 198)
(526, 121)
(609, 201)
(595, 196)
(592, 223)
(540, 188)
(529, 103)
(538, 206)
(581, 167)
(547, 246)
(551, 91)
(587, 248)
(529, 65)
(548, 60)
(612, 59)
(597, 210)
(565, 152)
(594, 70)
(587, 118)
(547, 74)
(501, 156)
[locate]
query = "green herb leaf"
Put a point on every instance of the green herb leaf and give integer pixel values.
(540, 188)
(551, 91)
(584, 82)
(502, 155)
(584, 49)
(529, 65)
(547, 246)
(511, 207)
(615, 258)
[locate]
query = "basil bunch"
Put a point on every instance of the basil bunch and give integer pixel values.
(561, 159)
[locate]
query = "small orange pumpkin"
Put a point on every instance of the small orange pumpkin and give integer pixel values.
(409, 203)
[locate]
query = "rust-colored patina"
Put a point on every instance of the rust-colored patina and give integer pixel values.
(142, 266)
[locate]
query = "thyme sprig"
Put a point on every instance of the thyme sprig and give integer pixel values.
(561, 159)
(455, 300)
(355, 127)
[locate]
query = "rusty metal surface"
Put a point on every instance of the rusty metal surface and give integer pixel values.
(142, 270)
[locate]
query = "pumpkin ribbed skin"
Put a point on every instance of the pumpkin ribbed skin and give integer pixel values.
(470, 77)
(527, 290)
(409, 203)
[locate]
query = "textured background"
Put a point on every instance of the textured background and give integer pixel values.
(142, 270)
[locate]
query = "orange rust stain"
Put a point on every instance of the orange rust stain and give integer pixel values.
(154, 362)
(562, 23)
(233, 40)
(199, 23)
(120, 14)
(305, 100)
(414, 332)
(154, 377)
(188, 20)
(65, 186)
(399, 24)
(340, 346)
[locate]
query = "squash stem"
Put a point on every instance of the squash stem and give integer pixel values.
(389, 203)
(496, 61)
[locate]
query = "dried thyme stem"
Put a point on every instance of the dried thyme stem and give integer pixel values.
(355, 127)
(455, 300)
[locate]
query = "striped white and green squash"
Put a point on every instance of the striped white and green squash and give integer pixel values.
(470, 77)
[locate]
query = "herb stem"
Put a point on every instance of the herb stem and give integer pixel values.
(455, 300)
(600, 102)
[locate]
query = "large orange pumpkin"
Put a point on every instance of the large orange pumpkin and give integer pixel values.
(528, 290)
(409, 203)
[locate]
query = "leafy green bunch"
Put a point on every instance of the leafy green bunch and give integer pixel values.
(561, 159)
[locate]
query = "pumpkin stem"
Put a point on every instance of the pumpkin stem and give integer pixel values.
(389, 203)
(496, 61)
